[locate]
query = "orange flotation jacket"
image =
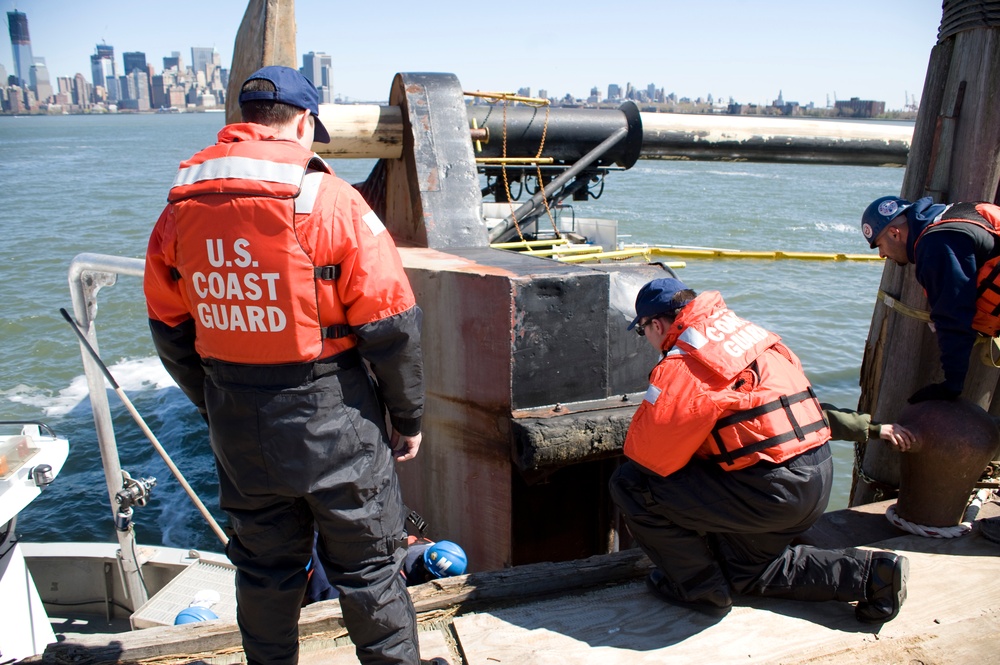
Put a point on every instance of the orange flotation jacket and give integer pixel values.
(727, 390)
(252, 289)
(986, 216)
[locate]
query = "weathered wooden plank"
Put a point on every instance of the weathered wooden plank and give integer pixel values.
(324, 621)
(434, 644)
(953, 586)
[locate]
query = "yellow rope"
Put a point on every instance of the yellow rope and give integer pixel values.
(528, 101)
(506, 97)
(538, 170)
(894, 304)
(503, 171)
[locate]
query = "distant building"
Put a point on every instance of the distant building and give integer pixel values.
(136, 85)
(201, 60)
(859, 108)
(81, 91)
(38, 79)
(16, 99)
(104, 72)
(173, 61)
(543, 93)
(20, 42)
(318, 68)
(134, 60)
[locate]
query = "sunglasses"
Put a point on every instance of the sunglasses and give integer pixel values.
(640, 328)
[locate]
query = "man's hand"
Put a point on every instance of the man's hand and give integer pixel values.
(937, 391)
(404, 448)
(898, 436)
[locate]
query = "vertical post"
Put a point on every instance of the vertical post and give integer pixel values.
(955, 156)
(86, 277)
(266, 37)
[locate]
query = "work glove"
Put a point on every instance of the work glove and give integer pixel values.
(939, 391)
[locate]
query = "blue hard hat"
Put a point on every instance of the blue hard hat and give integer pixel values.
(194, 614)
(445, 559)
(879, 214)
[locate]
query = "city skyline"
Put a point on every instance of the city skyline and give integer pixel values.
(724, 49)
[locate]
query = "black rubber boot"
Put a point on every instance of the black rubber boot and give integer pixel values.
(990, 529)
(716, 603)
(885, 590)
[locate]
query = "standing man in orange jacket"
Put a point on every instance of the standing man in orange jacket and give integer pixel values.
(270, 285)
(728, 462)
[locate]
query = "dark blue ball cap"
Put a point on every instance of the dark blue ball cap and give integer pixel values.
(290, 87)
(655, 298)
(880, 214)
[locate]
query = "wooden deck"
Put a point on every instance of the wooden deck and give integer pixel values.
(538, 614)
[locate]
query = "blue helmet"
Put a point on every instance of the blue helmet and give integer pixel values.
(445, 559)
(879, 214)
(194, 614)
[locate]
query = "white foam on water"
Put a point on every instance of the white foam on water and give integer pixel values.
(837, 227)
(132, 375)
(745, 174)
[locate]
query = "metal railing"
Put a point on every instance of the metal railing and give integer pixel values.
(88, 274)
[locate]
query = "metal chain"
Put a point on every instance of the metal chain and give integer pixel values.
(881, 490)
(527, 101)
(503, 170)
(538, 169)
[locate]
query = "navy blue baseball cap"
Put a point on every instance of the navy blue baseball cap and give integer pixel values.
(290, 87)
(656, 298)
(880, 214)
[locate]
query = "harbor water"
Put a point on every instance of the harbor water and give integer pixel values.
(75, 184)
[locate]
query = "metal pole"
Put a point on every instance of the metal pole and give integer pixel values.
(87, 274)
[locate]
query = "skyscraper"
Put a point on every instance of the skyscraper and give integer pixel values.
(134, 60)
(20, 42)
(38, 80)
(318, 68)
(201, 57)
(104, 71)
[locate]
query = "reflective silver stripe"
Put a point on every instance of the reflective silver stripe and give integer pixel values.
(693, 338)
(375, 224)
(307, 195)
(675, 352)
(240, 167)
(652, 393)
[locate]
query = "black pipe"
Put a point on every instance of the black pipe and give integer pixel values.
(569, 133)
(528, 207)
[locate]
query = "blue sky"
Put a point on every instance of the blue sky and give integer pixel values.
(809, 50)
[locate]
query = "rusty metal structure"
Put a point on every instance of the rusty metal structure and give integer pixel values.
(530, 379)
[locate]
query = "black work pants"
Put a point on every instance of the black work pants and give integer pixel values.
(713, 530)
(303, 447)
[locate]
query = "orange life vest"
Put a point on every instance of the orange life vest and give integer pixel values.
(252, 289)
(987, 216)
(728, 391)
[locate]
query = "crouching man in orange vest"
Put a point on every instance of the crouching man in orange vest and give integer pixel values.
(728, 462)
